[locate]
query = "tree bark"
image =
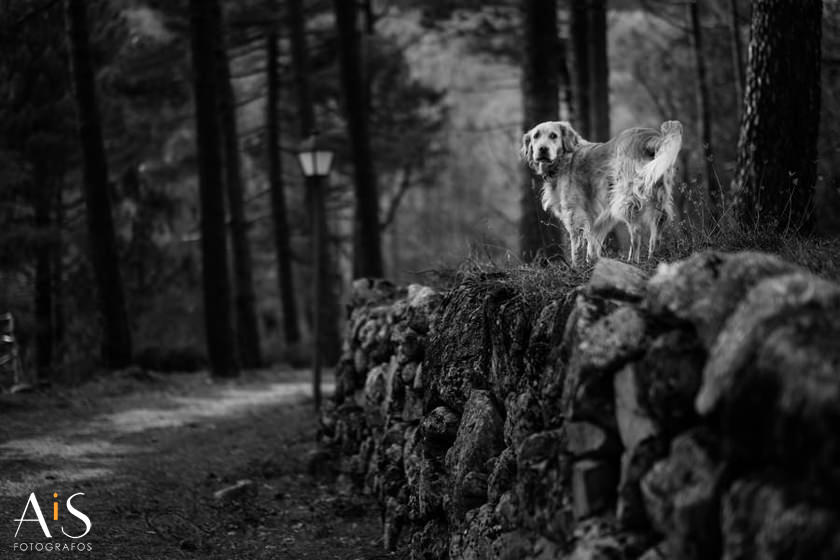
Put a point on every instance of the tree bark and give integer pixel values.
(579, 25)
(247, 330)
(538, 233)
(285, 274)
(367, 252)
(712, 194)
(777, 148)
(221, 343)
(116, 339)
(329, 309)
(599, 105)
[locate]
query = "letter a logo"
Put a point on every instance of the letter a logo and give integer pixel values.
(39, 516)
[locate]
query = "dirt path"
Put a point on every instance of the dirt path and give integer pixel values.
(149, 453)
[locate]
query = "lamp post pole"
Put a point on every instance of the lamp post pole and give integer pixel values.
(315, 164)
(318, 240)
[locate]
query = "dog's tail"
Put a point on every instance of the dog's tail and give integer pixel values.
(667, 149)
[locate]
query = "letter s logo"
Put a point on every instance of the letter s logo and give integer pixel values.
(84, 518)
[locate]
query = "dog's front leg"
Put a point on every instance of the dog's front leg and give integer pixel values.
(654, 234)
(575, 239)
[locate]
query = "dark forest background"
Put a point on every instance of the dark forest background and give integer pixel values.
(123, 122)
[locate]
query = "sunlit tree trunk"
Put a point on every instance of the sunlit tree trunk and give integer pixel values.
(282, 246)
(777, 149)
(247, 330)
(116, 336)
(221, 343)
(367, 253)
(540, 92)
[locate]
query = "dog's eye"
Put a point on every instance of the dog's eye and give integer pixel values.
(536, 135)
(553, 136)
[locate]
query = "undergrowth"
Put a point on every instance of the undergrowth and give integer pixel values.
(695, 232)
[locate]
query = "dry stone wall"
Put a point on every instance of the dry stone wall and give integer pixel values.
(691, 415)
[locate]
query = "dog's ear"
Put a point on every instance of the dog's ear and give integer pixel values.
(569, 137)
(525, 149)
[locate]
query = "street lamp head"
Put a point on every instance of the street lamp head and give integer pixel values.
(315, 158)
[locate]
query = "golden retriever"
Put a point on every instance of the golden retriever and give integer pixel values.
(594, 186)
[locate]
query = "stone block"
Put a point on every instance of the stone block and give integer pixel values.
(593, 487)
(615, 279)
(634, 423)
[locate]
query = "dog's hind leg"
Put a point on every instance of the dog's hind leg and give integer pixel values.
(635, 242)
(593, 252)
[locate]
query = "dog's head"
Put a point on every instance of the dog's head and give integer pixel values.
(546, 143)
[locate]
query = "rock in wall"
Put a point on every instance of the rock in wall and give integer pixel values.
(691, 415)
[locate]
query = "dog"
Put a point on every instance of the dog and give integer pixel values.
(592, 187)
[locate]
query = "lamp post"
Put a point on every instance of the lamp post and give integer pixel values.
(315, 163)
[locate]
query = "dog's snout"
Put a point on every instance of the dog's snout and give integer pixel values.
(543, 151)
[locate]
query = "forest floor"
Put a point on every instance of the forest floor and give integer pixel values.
(149, 451)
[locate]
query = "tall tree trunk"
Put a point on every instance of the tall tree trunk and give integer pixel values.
(367, 253)
(43, 281)
(59, 322)
(116, 345)
(221, 343)
(579, 25)
(300, 67)
(599, 79)
(285, 276)
(329, 309)
(540, 91)
(737, 49)
(777, 148)
(712, 193)
(247, 330)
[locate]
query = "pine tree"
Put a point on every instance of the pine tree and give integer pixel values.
(116, 348)
(777, 149)
(367, 247)
(540, 91)
(247, 330)
(221, 344)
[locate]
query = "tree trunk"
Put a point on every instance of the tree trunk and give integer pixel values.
(221, 343)
(43, 281)
(285, 275)
(58, 321)
(777, 148)
(116, 339)
(300, 67)
(599, 105)
(540, 91)
(737, 49)
(367, 251)
(329, 309)
(248, 334)
(712, 195)
(579, 25)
